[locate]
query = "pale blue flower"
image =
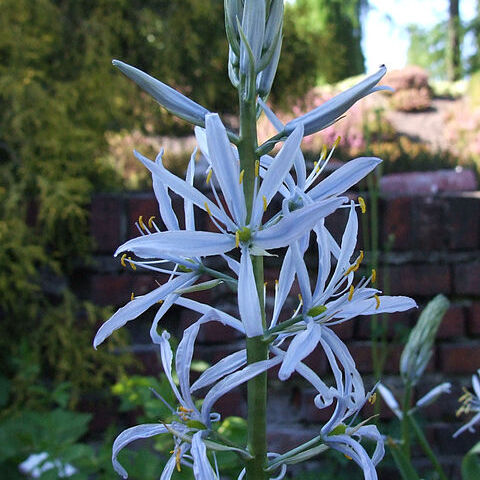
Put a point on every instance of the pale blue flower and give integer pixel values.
(470, 403)
(334, 301)
(192, 426)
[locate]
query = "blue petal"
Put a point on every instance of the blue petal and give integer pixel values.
(166, 96)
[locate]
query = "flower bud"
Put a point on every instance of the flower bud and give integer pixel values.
(418, 350)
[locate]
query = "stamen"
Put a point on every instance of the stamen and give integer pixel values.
(160, 302)
(377, 299)
(350, 293)
(337, 141)
(132, 296)
(209, 176)
(356, 265)
(372, 398)
(264, 203)
(122, 260)
(363, 205)
(374, 275)
(207, 208)
(140, 221)
(150, 221)
(240, 179)
(257, 168)
(300, 299)
(237, 239)
(134, 267)
(347, 456)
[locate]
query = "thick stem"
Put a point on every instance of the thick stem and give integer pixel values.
(257, 349)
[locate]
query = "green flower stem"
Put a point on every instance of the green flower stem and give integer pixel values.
(422, 440)
(407, 400)
(257, 349)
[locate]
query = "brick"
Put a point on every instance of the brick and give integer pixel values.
(459, 358)
(428, 224)
(419, 280)
(463, 222)
(397, 324)
(428, 183)
(474, 319)
(111, 289)
(467, 278)
(397, 222)
(107, 222)
(453, 323)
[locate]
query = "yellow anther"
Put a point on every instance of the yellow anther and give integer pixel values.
(374, 275)
(207, 208)
(372, 398)
(324, 151)
(377, 299)
(240, 179)
(265, 284)
(140, 222)
(150, 221)
(350, 293)
(264, 203)
(356, 265)
(184, 409)
(132, 296)
(300, 299)
(160, 302)
(134, 267)
(237, 239)
(315, 165)
(209, 176)
(359, 259)
(257, 168)
(122, 260)
(337, 141)
(347, 456)
(363, 205)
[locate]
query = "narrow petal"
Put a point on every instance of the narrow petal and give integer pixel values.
(182, 242)
(202, 470)
(135, 308)
(303, 278)
(332, 109)
(369, 306)
(234, 380)
(433, 394)
(184, 355)
(224, 367)
(285, 282)
(302, 345)
(276, 173)
(248, 302)
(226, 167)
(468, 426)
(343, 178)
(173, 101)
(296, 224)
(130, 435)
(223, 317)
(390, 400)
(188, 204)
(182, 188)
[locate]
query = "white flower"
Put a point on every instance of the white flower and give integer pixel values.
(193, 425)
(334, 298)
(470, 403)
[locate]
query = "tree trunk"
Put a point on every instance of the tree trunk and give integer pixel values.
(453, 50)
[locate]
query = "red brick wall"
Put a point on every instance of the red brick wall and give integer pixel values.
(435, 250)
